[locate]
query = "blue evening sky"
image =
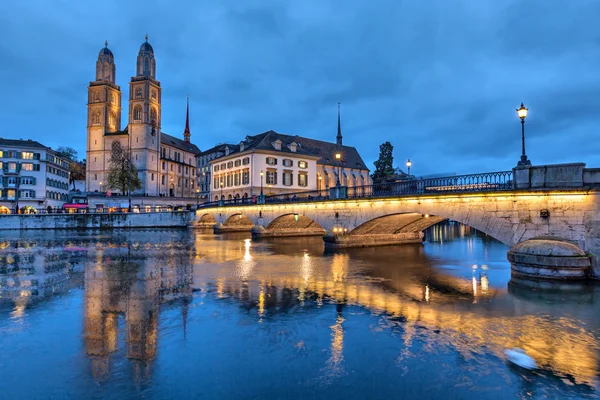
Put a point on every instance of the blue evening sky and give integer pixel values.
(439, 79)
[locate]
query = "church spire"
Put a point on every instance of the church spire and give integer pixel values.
(339, 132)
(186, 131)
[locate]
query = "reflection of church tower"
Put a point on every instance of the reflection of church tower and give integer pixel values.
(145, 119)
(104, 116)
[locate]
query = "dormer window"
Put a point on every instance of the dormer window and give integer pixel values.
(276, 144)
(226, 150)
(242, 146)
(293, 147)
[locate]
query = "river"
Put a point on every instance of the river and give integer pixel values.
(177, 314)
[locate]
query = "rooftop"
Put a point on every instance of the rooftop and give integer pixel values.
(22, 143)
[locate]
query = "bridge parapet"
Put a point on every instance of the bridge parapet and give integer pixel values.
(573, 175)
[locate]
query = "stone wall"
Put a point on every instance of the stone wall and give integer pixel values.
(96, 221)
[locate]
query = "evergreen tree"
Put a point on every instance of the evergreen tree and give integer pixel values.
(122, 174)
(384, 166)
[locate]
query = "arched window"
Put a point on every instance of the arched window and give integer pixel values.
(97, 96)
(137, 113)
(154, 95)
(112, 120)
(146, 65)
(163, 180)
(138, 93)
(153, 115)
(97, 118)
(116, 148)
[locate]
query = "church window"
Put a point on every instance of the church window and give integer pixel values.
(153, 115)
(137, 113)
(97, 118)
(146, 65)
(113, 98)
(152, 176)
(97, 96)
(95, 142)
(154, 95)
(111, 119)
(137, 139)
(136, 157)
(138, 93)
(95, 159)
(95, 177)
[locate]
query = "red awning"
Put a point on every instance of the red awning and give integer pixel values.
(76, 206)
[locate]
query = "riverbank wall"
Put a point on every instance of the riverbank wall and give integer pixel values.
(173, 219)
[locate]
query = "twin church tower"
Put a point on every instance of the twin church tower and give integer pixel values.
(142, 134)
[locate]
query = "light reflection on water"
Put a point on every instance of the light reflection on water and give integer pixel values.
(149, 312)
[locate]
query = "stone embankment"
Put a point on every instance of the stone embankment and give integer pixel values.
(173, 219)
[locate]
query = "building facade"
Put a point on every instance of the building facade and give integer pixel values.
(272, 163)
(32, 177)
(204, 170)
(166, 165)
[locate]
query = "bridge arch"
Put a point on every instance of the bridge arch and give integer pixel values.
(293, 220)
(207, 219)
(397, 223)
(238, 220)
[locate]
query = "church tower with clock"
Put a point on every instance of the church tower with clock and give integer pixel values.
(103, 117)
(166, 165)
(145, 119)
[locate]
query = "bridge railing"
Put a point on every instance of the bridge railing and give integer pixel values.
(486, 182)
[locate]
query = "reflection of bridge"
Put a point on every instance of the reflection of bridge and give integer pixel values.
(443, 304)
(559, 201)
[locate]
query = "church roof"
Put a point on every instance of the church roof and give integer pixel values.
(179, 143)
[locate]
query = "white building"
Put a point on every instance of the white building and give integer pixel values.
(32, 177)
(274, 163)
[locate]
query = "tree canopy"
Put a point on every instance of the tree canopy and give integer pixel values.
(67, 152)
(384, 166)
(122, 174)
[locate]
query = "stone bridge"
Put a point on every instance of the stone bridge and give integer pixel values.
(570, 213)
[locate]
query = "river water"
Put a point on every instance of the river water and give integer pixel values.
(177, 314)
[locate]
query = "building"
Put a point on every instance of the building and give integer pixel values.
(204, 171)
(32, 177)
(273, 163)
(166, 165)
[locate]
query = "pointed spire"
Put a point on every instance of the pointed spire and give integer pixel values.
(186, 131)
(339, 132)
(146, 37)
(106, 43)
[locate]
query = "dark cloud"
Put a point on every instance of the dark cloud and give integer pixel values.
(439, 79)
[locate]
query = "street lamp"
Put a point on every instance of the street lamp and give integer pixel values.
(197, 198)
(338, 157)
(408, 165)
(320, 178)
(221, 189)
(522, 113)
(100, 186)
(261, 182)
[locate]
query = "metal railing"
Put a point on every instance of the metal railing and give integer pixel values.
(486, 182)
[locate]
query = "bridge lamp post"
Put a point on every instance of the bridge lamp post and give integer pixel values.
(221, 188)
(338, 157)
(261, 182)
(319, 184)
(522, 113)
(408, 165)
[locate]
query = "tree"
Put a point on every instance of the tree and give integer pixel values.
(67, 152)
(77, 172)
(384, 166)
(122, 174)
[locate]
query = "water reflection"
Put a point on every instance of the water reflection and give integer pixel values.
(428, 305)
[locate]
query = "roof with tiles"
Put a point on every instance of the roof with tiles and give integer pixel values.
(179, 143)
(306, 146)
(22, 143)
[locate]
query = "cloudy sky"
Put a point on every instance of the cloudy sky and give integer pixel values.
(440, 79)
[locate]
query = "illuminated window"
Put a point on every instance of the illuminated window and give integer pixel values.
(302, 179)
(302, 164)
(27, 167)
(26, 155)
(97, 118)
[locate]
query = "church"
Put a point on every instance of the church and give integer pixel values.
(166, 165)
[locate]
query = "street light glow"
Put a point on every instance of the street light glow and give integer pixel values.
(522, 111)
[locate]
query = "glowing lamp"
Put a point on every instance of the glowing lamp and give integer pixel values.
(522, 111)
